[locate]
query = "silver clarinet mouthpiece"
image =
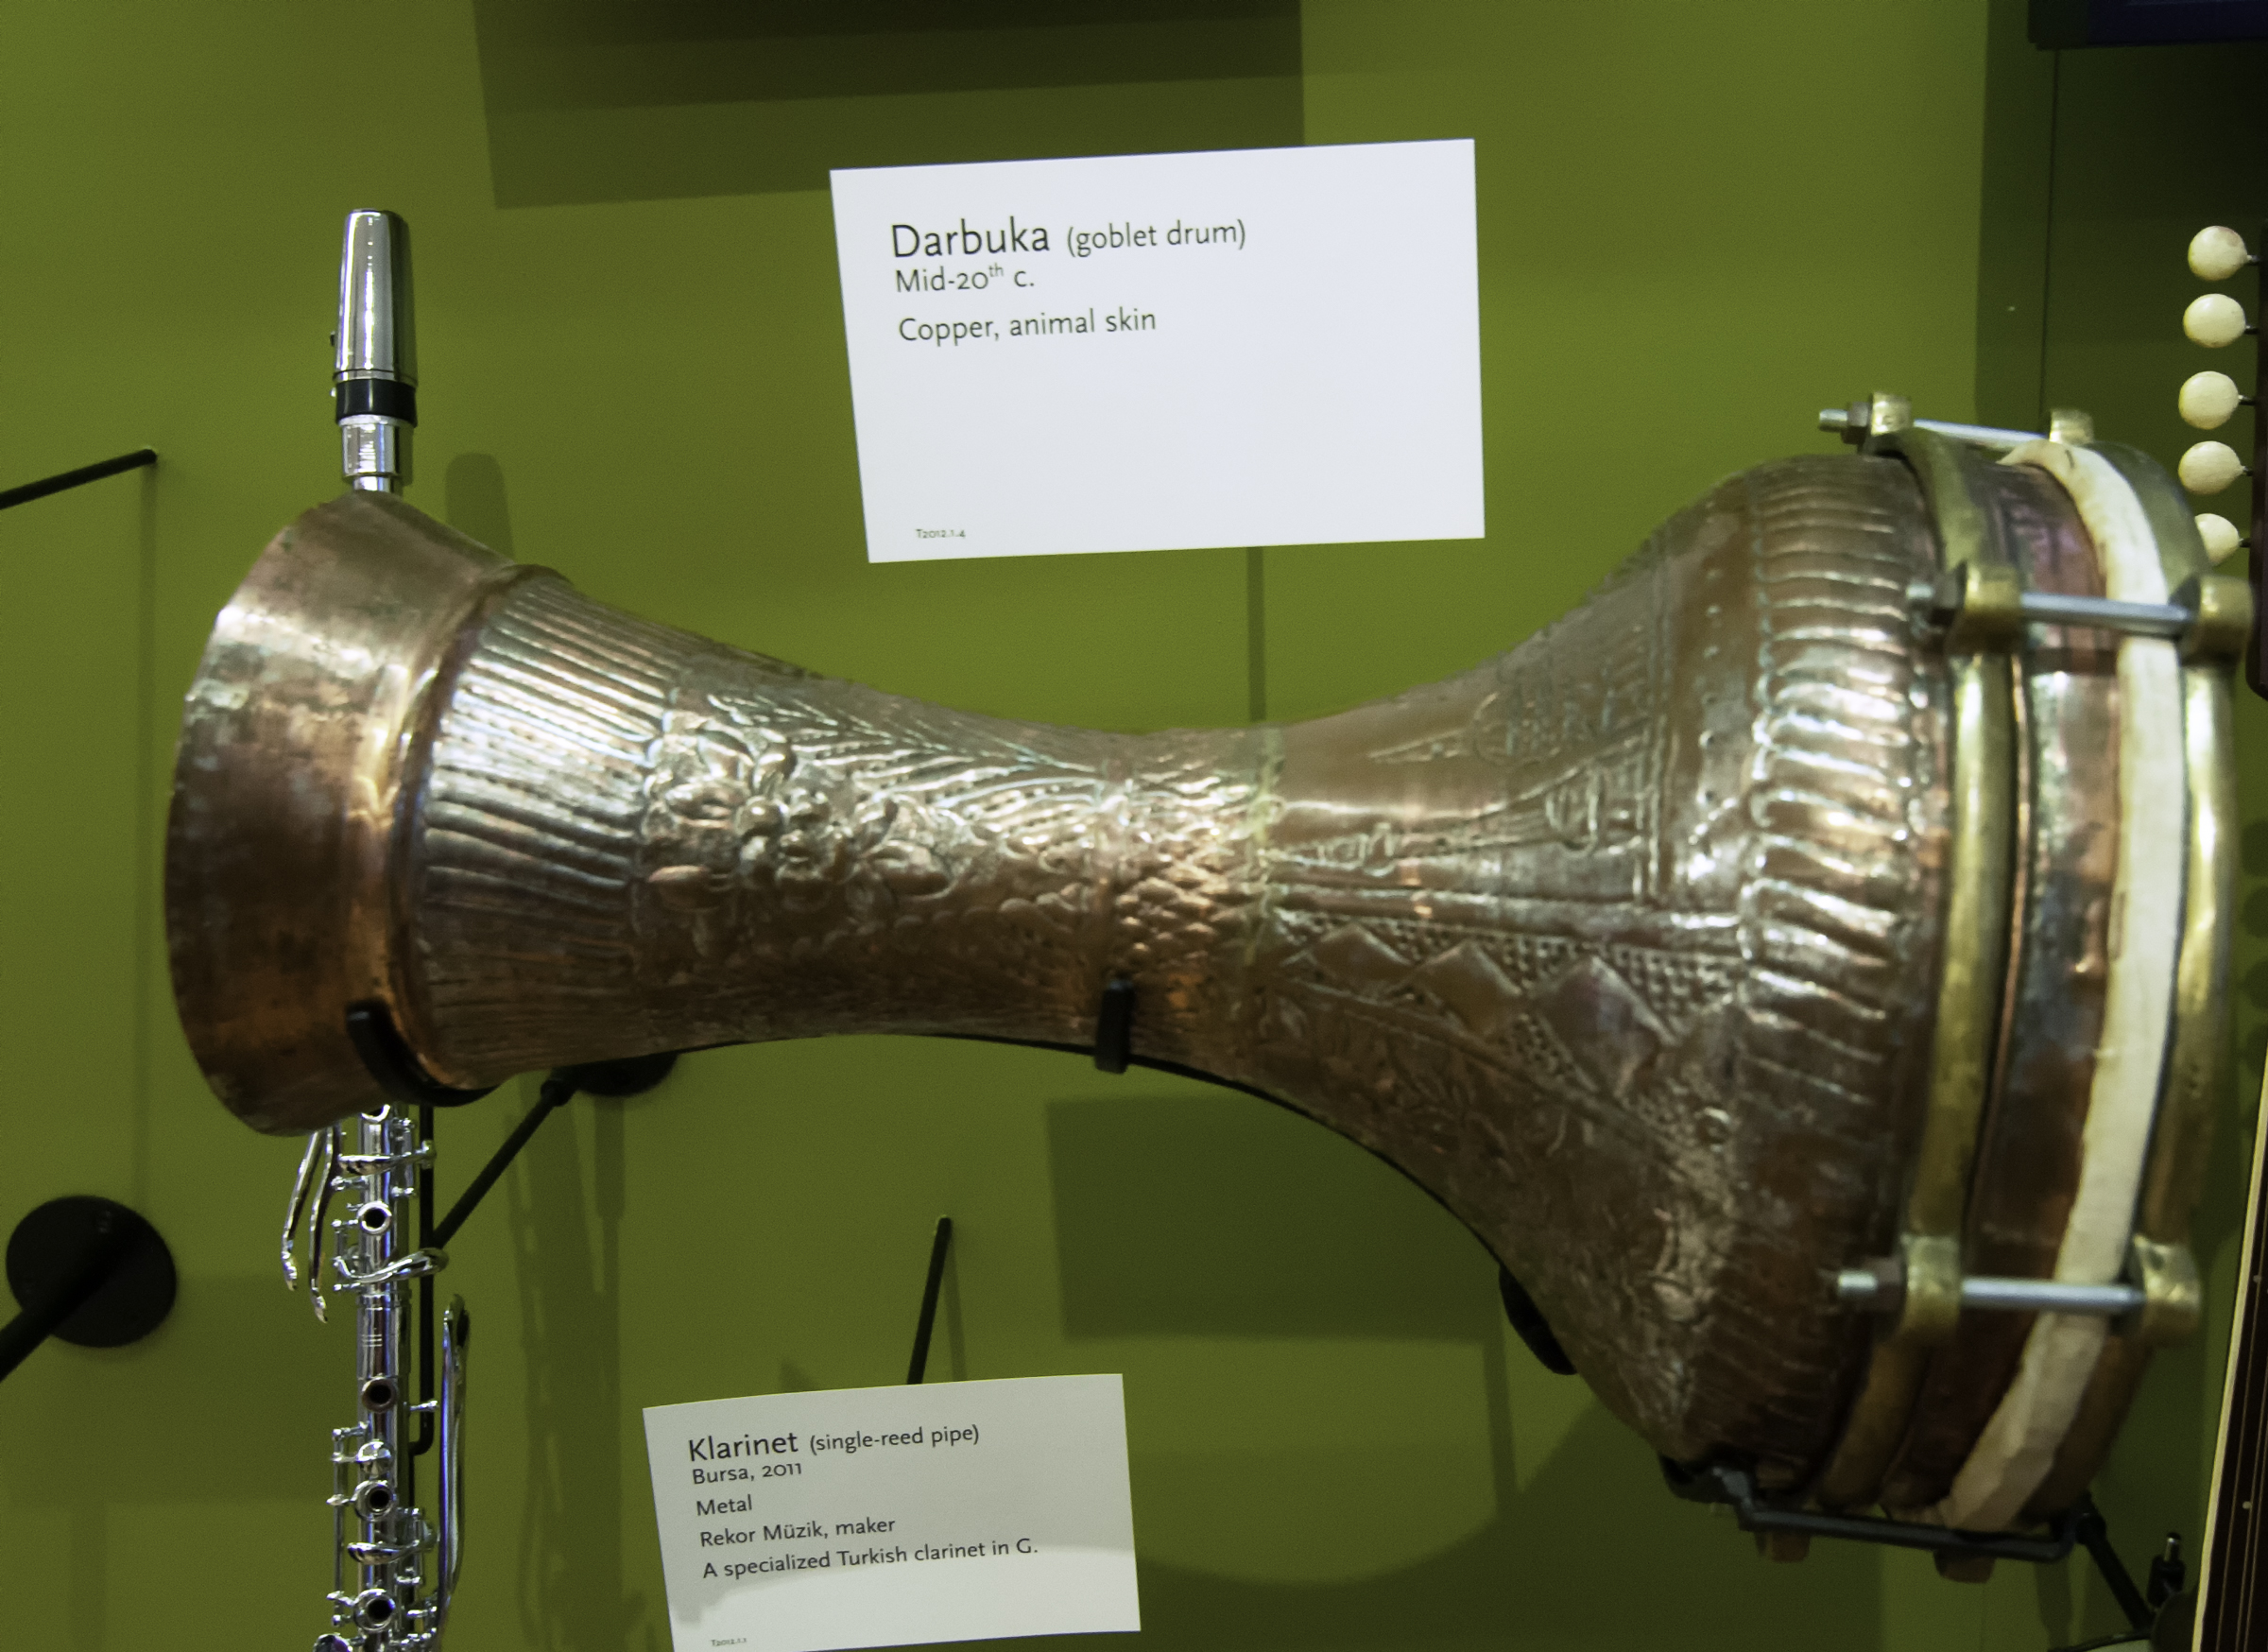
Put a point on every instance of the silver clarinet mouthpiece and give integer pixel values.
(374, 366)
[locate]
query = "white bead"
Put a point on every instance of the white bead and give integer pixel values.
(2219, 534)
(2208, 399)
(2209, 467)
(2217, 253)
(2214, 321)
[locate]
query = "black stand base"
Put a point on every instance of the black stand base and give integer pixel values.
(88, 1270)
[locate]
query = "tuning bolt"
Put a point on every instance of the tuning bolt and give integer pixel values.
(2217, 253)
(2220, 535)
(2214, 320)
(2209, 467)
(2208, 398)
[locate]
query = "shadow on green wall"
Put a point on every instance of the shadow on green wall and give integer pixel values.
(255, 1338)
(1151, 1192)
(1685, 1578)
(1155, 1193)
(604, 100)
(475, 502)
(566, 1211)
(250, 1330)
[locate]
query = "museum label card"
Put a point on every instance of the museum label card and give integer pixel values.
(887, 1517)
(1249, 347)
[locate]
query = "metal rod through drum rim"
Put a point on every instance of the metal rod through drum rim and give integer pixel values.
(2102, 613)
(1862, 1287)
(1974, 435)
(2140, 619)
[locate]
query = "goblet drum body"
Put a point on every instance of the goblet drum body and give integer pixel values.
(1630, 946)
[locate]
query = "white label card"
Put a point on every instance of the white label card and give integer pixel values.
(1249, 347)
(888, 1517)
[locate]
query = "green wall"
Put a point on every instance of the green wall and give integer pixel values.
(1697, 226)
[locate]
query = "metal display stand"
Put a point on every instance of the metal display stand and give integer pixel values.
(88, 1270)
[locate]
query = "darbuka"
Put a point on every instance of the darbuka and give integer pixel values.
(1794, 905)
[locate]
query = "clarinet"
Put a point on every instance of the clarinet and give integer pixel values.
(394, 1570)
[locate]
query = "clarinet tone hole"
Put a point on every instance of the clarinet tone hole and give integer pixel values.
(373, 1609)
(379, 1394)
(372, 1498)
(375, 1218)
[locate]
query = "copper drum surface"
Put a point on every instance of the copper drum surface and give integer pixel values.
(1623, 945)
(2066, 851)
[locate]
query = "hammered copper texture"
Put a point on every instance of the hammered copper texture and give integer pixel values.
(1621, 944)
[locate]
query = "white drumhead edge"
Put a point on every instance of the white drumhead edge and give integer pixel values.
(2018, 1447)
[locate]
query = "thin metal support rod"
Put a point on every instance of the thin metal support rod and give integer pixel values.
(79, 478)
(2094, 1532)
(919, 1366)
(2049, 608)
(423, 1443)
(2140, 619)
(1725, 1483)
(557, 1092)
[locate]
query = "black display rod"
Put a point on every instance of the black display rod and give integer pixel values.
(917, 1366)
(79, 478)
(615, 1080)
